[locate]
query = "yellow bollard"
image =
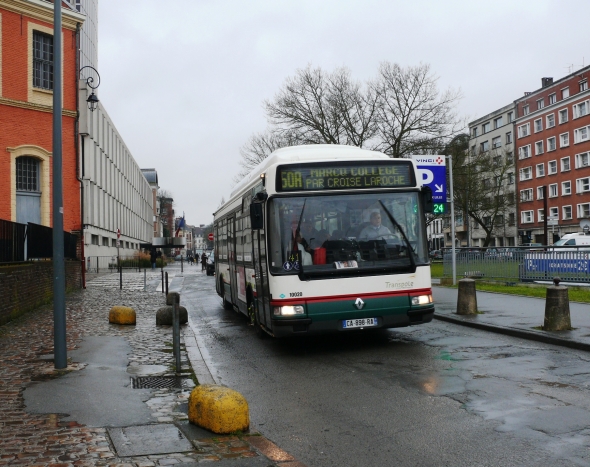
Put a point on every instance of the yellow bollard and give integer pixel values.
(122, 315)
(218, 409)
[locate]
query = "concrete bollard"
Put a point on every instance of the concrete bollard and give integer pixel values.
(172, 297)
(122, 315)
(165, 314)
(557, 308)
(218, 409)
(466, 299)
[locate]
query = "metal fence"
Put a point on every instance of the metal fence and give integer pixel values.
(519, 264)
(21, 242)
(100, 264)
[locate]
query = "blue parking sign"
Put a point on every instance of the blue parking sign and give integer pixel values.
(433, 171)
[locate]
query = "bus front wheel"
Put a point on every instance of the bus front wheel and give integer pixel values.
(253, 319)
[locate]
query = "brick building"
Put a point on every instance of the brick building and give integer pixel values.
(26, 112)
(552, 147)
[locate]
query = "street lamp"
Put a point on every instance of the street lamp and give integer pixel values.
(92, 99)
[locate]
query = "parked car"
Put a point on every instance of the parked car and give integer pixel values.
(436, 255)
(211, 264)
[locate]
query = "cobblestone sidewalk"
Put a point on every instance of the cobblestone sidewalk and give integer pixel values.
(47, 440)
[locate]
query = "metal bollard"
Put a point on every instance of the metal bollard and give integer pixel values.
(144, 279)
(162, 280)
(120, 277)
(176, 335)
(166, 283)
(181, 262)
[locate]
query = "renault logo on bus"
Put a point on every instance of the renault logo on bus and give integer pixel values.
(359, 304)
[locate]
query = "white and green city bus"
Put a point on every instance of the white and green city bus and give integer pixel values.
(323, 238)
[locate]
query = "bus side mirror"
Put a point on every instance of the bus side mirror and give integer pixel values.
(256, 216)
(427, 204)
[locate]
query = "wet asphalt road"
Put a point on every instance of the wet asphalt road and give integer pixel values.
(432, 395)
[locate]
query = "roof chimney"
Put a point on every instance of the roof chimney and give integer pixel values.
(546, 82)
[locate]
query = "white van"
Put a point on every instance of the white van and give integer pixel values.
(578, 239)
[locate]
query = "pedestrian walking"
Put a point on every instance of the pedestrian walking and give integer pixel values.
(153, 258)
(203, 262)
(197, 258)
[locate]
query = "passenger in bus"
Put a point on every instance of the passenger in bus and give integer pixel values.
(300, 245)
(315, 238)
(375, 230)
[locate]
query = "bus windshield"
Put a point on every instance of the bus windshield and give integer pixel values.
(346, 234)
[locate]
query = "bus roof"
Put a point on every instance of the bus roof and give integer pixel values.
(307, 153)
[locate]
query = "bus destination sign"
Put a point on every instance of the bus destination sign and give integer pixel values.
(357, 175)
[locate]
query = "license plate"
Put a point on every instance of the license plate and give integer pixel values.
(359, 323)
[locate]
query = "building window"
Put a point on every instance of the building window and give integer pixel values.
(538, 148)
(563, 116)
(550, 120)
(27, 174)
(540, 103)
(554, 213)
(526, 217)
(582, 160)
(474, 132)
(540, 170)
(42, 60)
(583, 85)
(566, 188)
(583, 185)
(538, 125)
(552, 167)
(487, 220)
(524, 152)
(509, 137)
(525, 173)
(510, 116)
(526, 195)
(581, 134)
(524, 130)
(580, 109)
(540, 192)
(105, 241)
(485, 128)
(565, 93)
(497, 142)
(552, 98)
(510, 178)
(525, 109)
(511, 218)
(583, 210)
(565, 164)
(498, 122)
(553, 190)
(484, 146)
(540, 215)
(567, 212)
(113, 242)
(551, 145)
(564, 140)
(94, 239)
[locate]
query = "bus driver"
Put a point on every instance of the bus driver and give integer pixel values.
(374, 231)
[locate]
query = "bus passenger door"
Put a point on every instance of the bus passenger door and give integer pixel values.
(231, 250)
(262, 290)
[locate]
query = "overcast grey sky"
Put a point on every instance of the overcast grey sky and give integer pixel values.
(184, 80)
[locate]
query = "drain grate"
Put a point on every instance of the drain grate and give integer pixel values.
(160, 382)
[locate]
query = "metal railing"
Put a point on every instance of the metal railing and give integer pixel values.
(519, 264)
(107, 264)
(21, 242)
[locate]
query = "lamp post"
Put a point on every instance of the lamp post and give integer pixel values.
(92, 98)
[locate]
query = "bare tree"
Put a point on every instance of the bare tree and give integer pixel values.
(400, 112)
(412, 116)
(481, 186)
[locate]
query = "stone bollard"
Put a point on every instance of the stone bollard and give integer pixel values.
(171, 297)
(557, 308)
(218, 409)
(164, 315)
(122, 315)
(466, 299)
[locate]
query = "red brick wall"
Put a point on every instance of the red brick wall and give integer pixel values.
(22, 126)
(25, 287)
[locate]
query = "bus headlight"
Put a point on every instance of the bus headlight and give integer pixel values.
(422, 300)
(288, 310)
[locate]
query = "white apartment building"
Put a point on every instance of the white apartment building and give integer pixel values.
(494, 134)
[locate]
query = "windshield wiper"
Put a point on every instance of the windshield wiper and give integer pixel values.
(399, 227)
